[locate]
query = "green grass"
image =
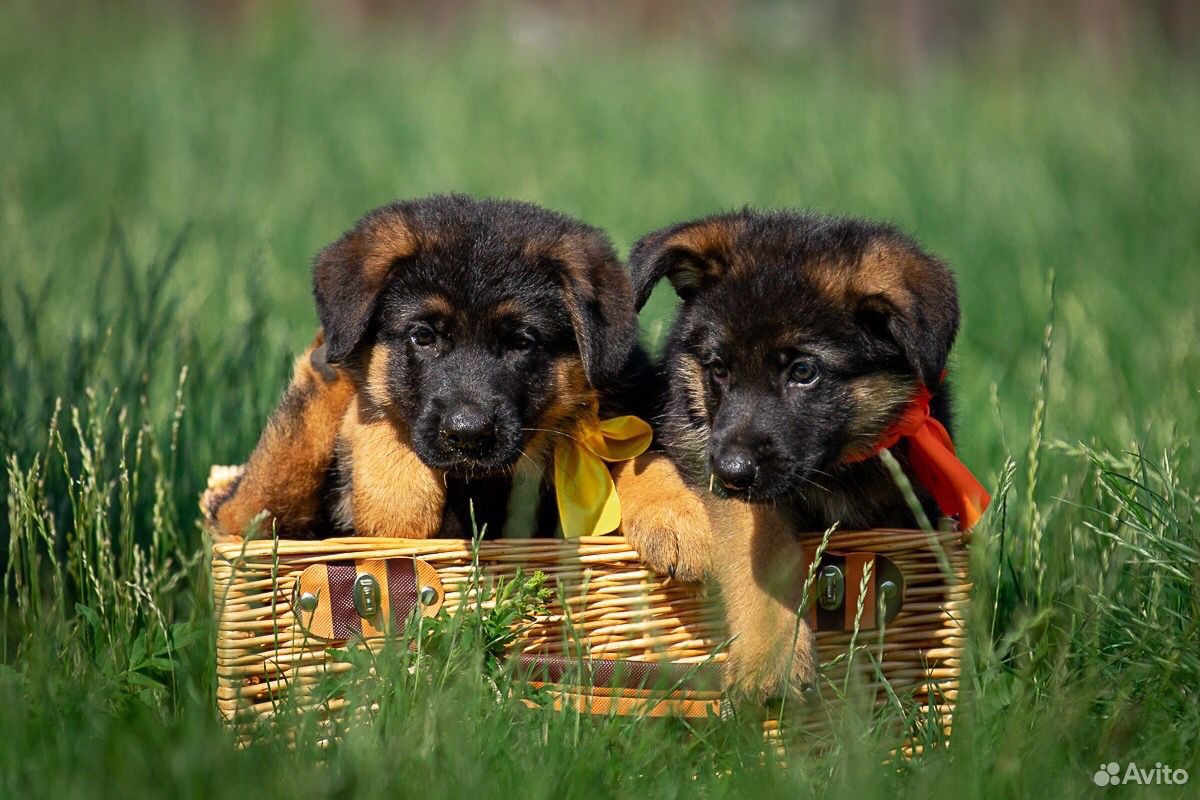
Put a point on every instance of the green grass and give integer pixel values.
(163, 186)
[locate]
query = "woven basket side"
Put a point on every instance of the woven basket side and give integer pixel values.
(606, 604)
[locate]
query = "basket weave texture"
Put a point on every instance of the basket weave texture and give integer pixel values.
(607, 603)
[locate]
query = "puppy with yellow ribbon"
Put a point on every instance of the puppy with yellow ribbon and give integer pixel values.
(477, 370)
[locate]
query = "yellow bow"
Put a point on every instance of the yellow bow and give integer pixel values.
(587, 497)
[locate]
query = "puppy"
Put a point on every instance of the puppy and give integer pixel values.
(460, 338)
(800, 341)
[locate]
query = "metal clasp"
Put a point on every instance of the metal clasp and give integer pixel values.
(366, 596)
(831, 588)
(889, 600)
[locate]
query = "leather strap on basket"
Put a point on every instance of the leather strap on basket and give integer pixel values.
(342, 600)
(620, 673)
(625, 687)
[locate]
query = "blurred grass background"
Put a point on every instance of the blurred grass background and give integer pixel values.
(168, 171)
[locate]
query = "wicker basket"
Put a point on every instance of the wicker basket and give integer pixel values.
(609, 605)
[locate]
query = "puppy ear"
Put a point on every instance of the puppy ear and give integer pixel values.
(910, 299)
(691, 255)
(350, 274)
(600, 302)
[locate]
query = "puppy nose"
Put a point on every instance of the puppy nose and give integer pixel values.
(735, 468)
(469, 428)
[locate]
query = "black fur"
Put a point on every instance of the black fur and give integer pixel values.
(761, 307)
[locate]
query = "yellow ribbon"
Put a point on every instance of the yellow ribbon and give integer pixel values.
(587, 497)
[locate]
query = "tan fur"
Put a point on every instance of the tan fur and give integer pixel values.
(376, 383)
(878, 400)
(505, 309)
(392, 493)
(889, 271)
(830, 277)
(662, 518)
(692, 375)
(761, 572)
(714, 239)
(575, 253)
(572, 251)
(572, 395)
(388, 239)
(437, 304)
(712, 246)
(883, 270)
(284, 474)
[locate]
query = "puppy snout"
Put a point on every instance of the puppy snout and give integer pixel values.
(470, 429)
(735, 468)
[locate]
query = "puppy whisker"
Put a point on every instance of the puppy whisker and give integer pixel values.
(564, 434)
(811, 482)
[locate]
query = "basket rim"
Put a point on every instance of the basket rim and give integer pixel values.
(233, 550)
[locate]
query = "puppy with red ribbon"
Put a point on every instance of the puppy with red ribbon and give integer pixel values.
(804, 348)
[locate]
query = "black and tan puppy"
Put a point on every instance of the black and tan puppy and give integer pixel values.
(799, 341)
(459, 338)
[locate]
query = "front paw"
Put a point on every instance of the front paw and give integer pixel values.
(672, 538)
(799, 686)
(766, 678)
(223, 483)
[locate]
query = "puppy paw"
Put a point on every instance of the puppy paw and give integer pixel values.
(223, 483)
(663, 519)
(771, 692)
(798, 683)
(672, 538)
(766, 678)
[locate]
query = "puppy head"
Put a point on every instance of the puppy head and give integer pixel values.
(477, 324)
(799, 340)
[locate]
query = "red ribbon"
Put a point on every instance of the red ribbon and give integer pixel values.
(933, 461)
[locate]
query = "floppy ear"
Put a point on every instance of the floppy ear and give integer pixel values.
(600, 303)
(350, 274)
(910, 299)
(691, 255)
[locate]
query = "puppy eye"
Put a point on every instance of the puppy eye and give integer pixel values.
(803, 372)
(423, 336)
(718, 370)
(522, 341)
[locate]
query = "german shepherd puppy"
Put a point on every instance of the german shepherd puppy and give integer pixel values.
(800, 339)
(459, 336)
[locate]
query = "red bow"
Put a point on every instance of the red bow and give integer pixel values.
(934, 464)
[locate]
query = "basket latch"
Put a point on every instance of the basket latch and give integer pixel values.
(343, 600)
(839, 590)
